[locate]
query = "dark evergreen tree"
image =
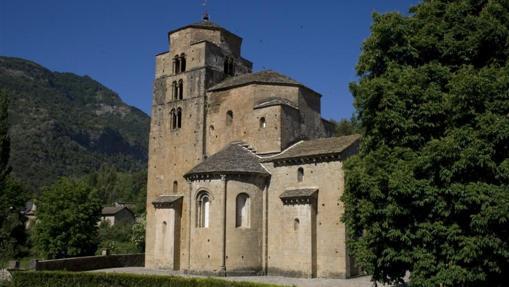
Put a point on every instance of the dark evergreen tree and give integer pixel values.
(12, 196)
(4, 137)
(428, 192)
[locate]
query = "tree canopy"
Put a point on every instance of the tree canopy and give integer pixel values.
(67, 217)
(428, 192)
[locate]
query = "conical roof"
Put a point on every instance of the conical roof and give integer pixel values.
(233, 159)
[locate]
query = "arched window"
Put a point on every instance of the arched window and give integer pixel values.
(296, 223)
(181, 90)
(242, 210)
(202, 209)
(263, 124)
(229, 118)
(173, 116)
(174, 91)
(182, 62)
(175, 187)
(176, 60)
(179, 118)
(300, 174)
(174, 66)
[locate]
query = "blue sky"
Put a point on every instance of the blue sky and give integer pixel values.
(115, 41)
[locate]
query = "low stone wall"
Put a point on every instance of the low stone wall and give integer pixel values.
(92, 262)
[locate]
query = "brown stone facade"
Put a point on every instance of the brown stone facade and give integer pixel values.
(243, 177)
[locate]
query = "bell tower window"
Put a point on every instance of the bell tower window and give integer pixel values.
(179, 118)
(229, 67)
(182, 62)
(176, 65)
(180, 90)
(175, 91)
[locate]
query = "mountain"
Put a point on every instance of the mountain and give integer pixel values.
(62, 124)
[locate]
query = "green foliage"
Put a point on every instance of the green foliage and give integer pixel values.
(138, 233)
(429, 190)
(345, 127)
(118, 239)
(13, 236)
(4, 136)
(67, 216)
(68, 125)
(116, 186)
(65, 279)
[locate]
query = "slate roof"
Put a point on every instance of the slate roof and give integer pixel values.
(302, 192)
(263, 77)
(322, 146)
(233, 159)
(112, 210)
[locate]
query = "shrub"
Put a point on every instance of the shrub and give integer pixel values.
(65, 279)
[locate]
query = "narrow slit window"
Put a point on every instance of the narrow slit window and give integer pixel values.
(300, 174)
(229, 118)
(296, 223)
(175, 187)
(263, 123)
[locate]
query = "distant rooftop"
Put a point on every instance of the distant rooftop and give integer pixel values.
(112, 210)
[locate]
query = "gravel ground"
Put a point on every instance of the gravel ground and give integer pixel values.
(363, 281)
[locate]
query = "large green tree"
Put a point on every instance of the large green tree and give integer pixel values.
(428, 192)
(67, 217)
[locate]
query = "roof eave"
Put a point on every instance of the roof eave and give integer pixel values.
(212, 173)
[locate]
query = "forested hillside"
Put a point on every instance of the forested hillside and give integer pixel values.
(62, 124)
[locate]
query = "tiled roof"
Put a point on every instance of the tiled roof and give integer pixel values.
(322, 146)
(232, 159)
(263, 77)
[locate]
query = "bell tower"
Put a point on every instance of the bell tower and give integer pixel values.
(200, 55)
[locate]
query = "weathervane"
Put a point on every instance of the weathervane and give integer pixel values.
(205, 13)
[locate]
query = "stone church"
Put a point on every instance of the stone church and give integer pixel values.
(244, 177)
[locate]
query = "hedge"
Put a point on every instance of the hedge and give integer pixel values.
(80, 279)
